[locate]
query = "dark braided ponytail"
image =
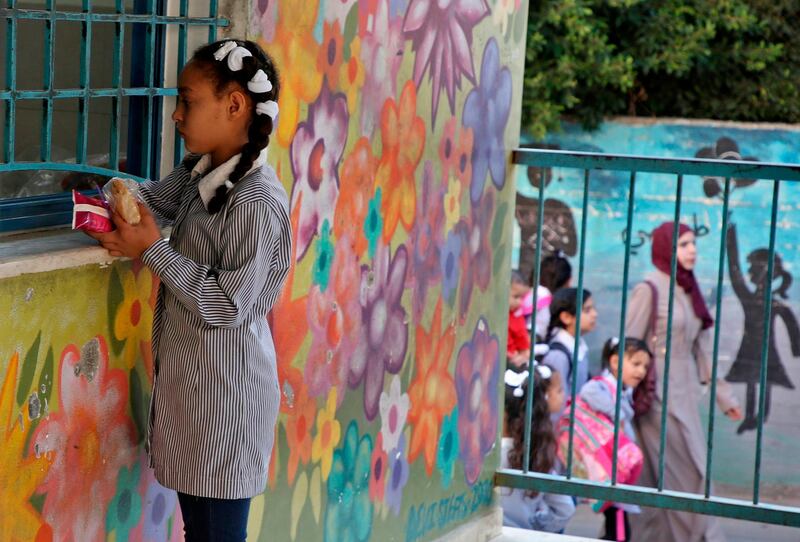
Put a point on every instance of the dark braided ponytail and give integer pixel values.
(261, 125)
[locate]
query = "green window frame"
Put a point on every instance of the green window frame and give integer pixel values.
(155, 33)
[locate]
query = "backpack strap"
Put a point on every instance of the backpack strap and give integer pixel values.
(559, 347)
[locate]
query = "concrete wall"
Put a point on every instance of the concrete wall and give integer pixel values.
(396, 123)
(750, 203)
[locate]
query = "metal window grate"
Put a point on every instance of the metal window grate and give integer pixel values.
(149, 25)
(704, 503)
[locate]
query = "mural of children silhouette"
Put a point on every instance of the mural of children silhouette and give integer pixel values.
(747, 366)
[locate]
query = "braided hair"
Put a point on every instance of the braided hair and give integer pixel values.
(261, 125)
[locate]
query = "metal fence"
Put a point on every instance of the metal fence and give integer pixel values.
(149, 51)
(660, 497)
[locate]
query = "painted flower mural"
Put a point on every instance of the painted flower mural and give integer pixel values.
(21, 473)
(356, 189)
(503, 10)
(477, 373)
(432, 391)
(348, 515)
(451, 254)
(160, 511)
(403, 137)
(90, 437)
(447, 451)
(133, 322)
(455, 152)
(394, 411)
(316, 150)
(324, 257)
(486, 111)
(384, 329)
(290, 330)
(352, 75)
(295, 51)
(334, 318)
(327, 435)
(427, 239)
(125, 509)
(379, 464)
(298, 433)
(476, 255)
(382, 53)
(441, 35)
(452, 204)
(398, 476)
(331, 54)
(373, 223)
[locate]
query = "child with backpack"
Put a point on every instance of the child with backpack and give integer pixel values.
(600, 396)
(529, 509)
(561, 336)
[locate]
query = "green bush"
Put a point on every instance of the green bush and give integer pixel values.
(719, 59)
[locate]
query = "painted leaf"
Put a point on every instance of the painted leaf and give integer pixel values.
(28, 370)
(114, 298)
(315, 492)
(299, 496)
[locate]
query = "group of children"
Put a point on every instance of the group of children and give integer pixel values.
(554, 370)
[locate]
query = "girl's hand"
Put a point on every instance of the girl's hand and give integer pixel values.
(734, 413)
(127, 240)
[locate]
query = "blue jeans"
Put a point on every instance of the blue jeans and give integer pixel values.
(214, 520)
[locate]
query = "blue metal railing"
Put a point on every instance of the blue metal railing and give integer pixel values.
(704, 503)
(54, 209)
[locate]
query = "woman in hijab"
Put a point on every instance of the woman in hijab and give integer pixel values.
(690, 367)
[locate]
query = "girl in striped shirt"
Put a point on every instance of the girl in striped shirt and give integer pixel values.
(215, 386)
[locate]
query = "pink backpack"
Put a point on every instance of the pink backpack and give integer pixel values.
(593, 447)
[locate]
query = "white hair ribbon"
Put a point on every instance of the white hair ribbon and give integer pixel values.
(260, 83)
(224, 49)
(614, 341)
(543, 370)
(235, 58)
(515, 380)
(269, 108)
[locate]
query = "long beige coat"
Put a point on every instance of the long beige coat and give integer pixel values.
(685, 453)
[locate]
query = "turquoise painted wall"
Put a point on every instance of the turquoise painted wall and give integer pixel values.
(701, 206)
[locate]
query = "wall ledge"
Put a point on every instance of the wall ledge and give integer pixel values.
(707, 123)
(480, 528)
(43, 251)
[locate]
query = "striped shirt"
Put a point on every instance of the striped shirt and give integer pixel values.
(215, 388)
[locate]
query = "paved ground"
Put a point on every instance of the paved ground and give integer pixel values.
(588, 524)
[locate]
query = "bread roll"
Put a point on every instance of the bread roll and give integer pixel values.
(124, 202)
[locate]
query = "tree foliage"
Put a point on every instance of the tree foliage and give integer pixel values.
(719, 59)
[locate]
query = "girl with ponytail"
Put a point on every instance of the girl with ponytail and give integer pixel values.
(215, 396)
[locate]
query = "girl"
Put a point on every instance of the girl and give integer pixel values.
(528, 509)
(690, 366)
(518, 349)
(600, 395)
(561, 336)
(555, 273)
(747, 366)
(215, 388)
